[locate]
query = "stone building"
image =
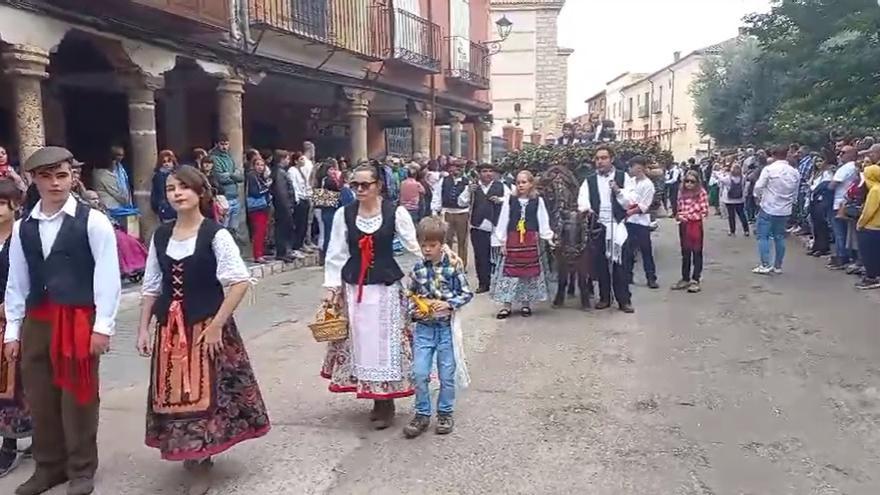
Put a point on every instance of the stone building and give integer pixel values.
(170, 74)
(531, 69)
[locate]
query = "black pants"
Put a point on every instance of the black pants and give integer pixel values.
(283, 232)
(480, 240)
(751, 208)
(300, 223)
(639, 240)
(612, 278)
(690, 257)
(672, 197)
(821, 230)
(736, 210)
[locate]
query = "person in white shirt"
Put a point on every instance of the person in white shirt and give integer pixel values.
(776, 189)
(456, 216)
(61, 302)
(308, 170)
(638, 194)
(300, 181)
(672, 181)
(485, 199)
(843, 179)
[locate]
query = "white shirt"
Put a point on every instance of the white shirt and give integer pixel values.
(464, 199)
(777, 187)
(437, 198)
(604, 183)
(673, 175)
(231, 269)
(845, 176)
(299, 178)
(107, 284)
(337, 250)
(499, 238)
(639, 192)
(307, 169)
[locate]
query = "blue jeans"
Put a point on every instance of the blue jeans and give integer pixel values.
(232, 216)
(840, 226)
(430, 338)
(771, 227)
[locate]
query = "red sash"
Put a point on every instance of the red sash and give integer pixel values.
(522, 259)
(70, 348)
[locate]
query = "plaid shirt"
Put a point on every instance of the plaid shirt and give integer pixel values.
(443, 281)
(693, 208)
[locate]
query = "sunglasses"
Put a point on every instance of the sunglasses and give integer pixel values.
(360, 185)
(690, 181)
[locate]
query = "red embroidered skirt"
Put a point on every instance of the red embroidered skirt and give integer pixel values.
(522, 259)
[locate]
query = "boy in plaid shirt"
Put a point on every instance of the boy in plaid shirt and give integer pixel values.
(438, 289)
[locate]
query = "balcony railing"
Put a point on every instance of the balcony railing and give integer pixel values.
(356, 26)
(644, 111)
(468, 62)
(657, 106)
(416, 40)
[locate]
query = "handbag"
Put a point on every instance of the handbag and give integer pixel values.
(325, 198)
(257, 204)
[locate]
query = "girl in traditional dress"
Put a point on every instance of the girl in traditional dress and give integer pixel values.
(15, 415)
(203, 396)
(375, 361)
(521, 274)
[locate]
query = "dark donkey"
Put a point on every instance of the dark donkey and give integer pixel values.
(574, 254)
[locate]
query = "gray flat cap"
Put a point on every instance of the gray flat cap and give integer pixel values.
(47, 155)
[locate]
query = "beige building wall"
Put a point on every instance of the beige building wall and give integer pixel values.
(531, 68)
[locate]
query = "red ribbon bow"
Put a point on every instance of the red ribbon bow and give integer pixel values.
(366, 247)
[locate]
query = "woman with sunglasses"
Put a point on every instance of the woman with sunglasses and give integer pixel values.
(693, 207)
(360, 272)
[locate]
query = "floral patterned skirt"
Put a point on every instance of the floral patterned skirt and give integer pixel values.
(339, 363)
(233, 410)
(526, 290)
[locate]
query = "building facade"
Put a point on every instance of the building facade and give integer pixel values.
(348, 75)
(530, 73)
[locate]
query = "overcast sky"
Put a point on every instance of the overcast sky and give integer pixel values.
(612, 37)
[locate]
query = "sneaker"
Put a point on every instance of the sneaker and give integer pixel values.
(835, 264)
(762, 270)
(681, 285)
(694, 287)
(445, 423)
(297, 254)
(731, 234)
(652, 284)
(852, 268)
(776, 271)
(746, 233)
(867, 283)
(417, 426)
(9, 460)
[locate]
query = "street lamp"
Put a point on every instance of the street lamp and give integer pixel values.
(505, 26)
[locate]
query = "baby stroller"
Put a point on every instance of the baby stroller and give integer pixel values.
(132, 256)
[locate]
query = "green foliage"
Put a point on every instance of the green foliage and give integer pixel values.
(539, 158)
(810, 67)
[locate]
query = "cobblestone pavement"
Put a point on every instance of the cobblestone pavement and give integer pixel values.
(758, 385)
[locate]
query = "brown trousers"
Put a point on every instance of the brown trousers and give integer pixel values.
(65, 433)
(458, 228)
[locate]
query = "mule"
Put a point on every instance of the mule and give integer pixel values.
(574, 255)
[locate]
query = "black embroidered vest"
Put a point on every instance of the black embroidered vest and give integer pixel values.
(516, 214)
(483, 209)
(384, 269)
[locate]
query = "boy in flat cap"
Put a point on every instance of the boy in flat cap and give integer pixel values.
(61, 302)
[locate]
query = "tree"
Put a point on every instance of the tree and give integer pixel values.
(734, 93)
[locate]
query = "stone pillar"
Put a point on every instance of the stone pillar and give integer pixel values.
(53, 117)
(485, 142)
(519, 132)
(422, 123)
(358, 105)
(229, 109)
(509, 134)
(141, 91)
(456, 119)
(175, 120)
(26, 69)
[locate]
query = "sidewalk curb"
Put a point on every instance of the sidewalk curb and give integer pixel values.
(132, 294)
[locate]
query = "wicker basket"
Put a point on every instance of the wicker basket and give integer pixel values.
(329, 324)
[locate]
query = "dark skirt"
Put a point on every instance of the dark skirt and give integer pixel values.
(206, 420)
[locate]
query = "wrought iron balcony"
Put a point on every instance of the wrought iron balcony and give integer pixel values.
(416, 41)
(357, 26)
(468, 62)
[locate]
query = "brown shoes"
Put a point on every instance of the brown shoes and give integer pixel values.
(81, 486)
(383, 414)
(200, 476)
(41, 482)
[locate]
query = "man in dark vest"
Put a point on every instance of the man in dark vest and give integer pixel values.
(485, 199)
(454, 214)
(602, 194)
(61, 302)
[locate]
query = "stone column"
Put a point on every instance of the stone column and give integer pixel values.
(421, 121)
(53, 117)
(175, 119)
(141, 91)
(456, 119)
(358, 105)
(484, 138)
(26, 69)
(229, 109)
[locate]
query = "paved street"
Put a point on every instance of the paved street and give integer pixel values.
(762, 386)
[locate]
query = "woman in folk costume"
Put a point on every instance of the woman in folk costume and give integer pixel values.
(203, 396)
(375, 361)
(521, 274)
(15, 415)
